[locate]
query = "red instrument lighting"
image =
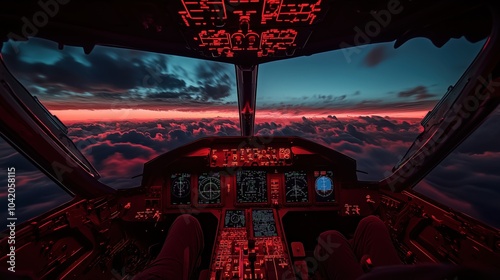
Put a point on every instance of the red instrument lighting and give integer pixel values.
(245, 26)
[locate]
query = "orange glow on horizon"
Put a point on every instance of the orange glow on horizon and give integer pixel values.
(85, 115)
(273, 115)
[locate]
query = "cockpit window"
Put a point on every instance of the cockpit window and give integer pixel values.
(26, 190)
(124, 107)
(365, 101)
(468, 179)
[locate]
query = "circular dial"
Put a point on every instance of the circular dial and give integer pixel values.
(296, 186)
(234, 219)
(209, 187)
(181, 186)
(324, 186)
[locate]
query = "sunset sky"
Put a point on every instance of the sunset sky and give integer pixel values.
(120, 84)
(125, 107)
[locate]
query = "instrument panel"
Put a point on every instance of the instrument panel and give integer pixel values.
(263, 223)
(296, 187)
(324, 186)
(252, 187)
(180, 189)
(242, 172)
(209, 188)
(234, 219)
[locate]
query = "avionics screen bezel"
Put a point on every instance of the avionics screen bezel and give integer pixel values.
(234, 210)
(309, 192)
(196, 193)
(277, 230)
(237, 188)
(335, 187)
(170, 186)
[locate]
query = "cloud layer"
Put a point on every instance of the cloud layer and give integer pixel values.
(466, 181)
(35, 193)
(468, 178)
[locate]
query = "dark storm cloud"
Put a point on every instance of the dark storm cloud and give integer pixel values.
(329, 97)
(216, 92)
(214, 81)
(339, 104)
(118, 79)
(207, 71)
(170, 95)
(377, 55)
(301, 105)
(418, 92)
(104, 74)
(170, 82)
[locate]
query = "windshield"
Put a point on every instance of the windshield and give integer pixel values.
(125, 107)
(366, 102)
(468, 179)
(35, 193)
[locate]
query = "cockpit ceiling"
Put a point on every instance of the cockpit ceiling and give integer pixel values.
(273, 28)
(243, 32)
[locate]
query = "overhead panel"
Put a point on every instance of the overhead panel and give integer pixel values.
(231, 28)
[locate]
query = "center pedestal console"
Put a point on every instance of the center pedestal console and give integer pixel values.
(253, 250)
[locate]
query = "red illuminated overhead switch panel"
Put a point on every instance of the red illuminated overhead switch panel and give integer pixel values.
(290, 11)
(277, 42)
(203, 11)
(265, 27)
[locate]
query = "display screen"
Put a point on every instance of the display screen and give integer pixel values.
(209, 188)
(263, 223)
(251, 186)
(296, 187)
(324, 186)
(180, 189)
(234, 219)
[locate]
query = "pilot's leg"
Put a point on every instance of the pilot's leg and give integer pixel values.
(180, 253)
(372, 239)
(335, 257)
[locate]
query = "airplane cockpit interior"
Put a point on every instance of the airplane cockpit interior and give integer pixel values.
(262, 191)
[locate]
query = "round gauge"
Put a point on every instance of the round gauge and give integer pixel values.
(324, 186)
(296, 186)
(235, 219)
(209, 187)
(181, 186)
